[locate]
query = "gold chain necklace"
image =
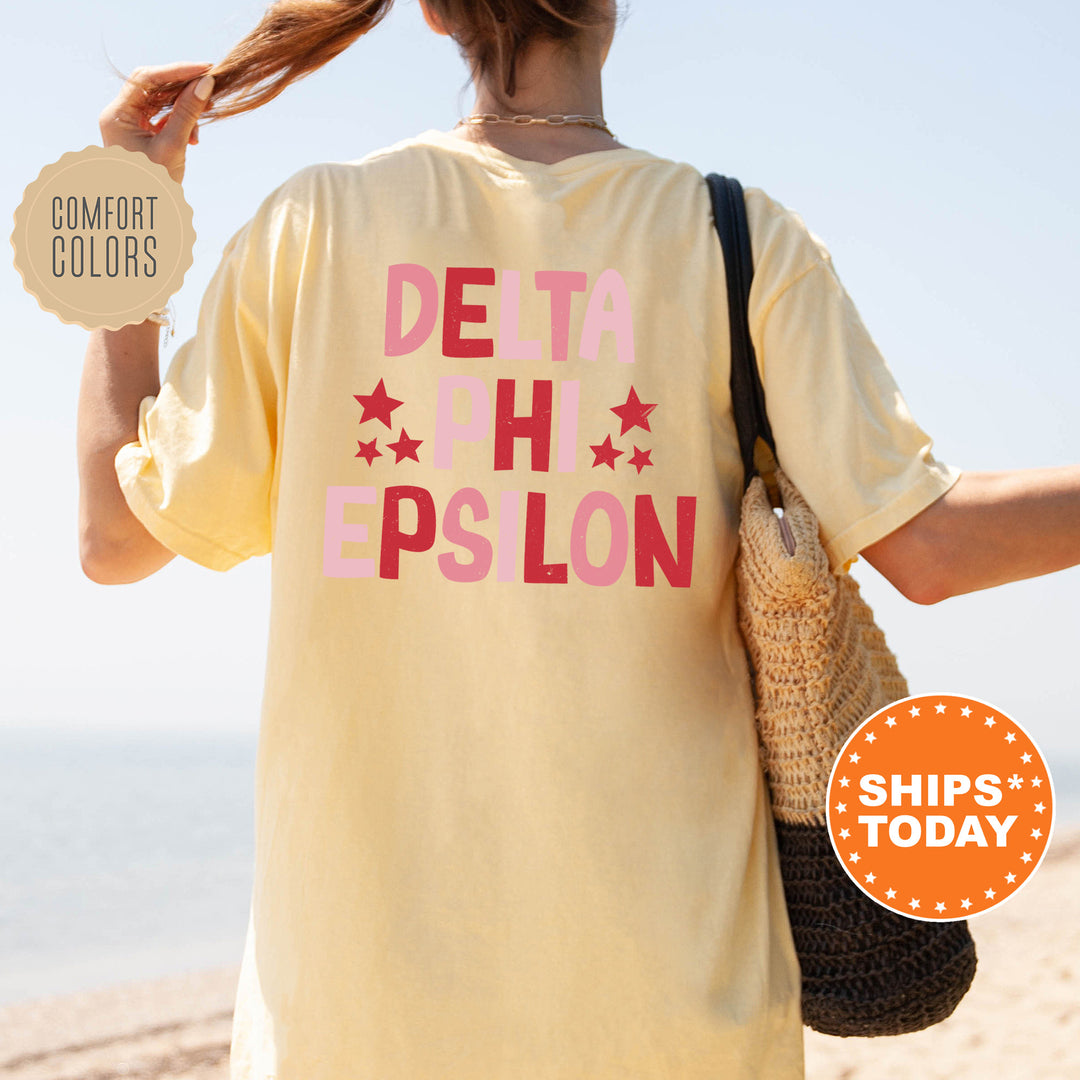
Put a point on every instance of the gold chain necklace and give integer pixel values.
(555, 120)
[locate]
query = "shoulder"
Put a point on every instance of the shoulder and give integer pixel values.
(333, 186)
(299, 209)
(783, 246)
(296, 197)
(789, 259)
(400, 157)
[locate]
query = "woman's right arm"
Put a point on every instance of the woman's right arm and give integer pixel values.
(121, 366)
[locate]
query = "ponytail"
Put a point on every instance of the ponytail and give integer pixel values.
(293, 39)
(296, 37)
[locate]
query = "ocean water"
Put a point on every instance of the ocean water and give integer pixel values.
(122, 856)
(128, 856)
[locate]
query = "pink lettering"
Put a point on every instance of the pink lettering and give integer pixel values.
(337, 531)
(561, 284)
(396, 343)
(618, 320)
(510, 347)
(447, 430)
(609, 571)
(509, 511)
(569, 395)
(453, 530)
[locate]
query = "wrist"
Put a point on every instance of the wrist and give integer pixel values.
(164, 318)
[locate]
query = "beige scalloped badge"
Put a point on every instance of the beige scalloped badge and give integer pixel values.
(103, 237)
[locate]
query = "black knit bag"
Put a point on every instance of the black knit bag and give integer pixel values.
(865, 970)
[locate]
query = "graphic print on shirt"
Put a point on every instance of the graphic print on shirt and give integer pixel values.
(514, 420)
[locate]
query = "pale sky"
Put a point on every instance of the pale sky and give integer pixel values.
(932, 145)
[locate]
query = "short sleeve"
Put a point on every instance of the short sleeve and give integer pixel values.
(201, 476)
(844, 434)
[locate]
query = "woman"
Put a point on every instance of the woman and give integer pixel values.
(472, 393)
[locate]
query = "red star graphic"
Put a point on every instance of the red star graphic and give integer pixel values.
(368, 450)
(635, 413)
(605, 454)
(640, 459)
(378, 405)
(404, 447)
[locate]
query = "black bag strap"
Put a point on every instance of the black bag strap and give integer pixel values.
(747, 393)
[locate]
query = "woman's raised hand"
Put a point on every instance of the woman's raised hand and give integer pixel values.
(128, 121)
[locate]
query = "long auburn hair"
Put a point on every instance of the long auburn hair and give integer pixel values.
(296, 37)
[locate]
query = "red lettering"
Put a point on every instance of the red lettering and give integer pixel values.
(536, 571)
(394, 541)
(650, 544)
(536, 427)
(455, 311)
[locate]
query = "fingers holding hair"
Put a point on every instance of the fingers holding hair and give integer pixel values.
(131, 120)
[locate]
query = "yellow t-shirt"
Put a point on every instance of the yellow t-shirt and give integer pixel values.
(510, 823)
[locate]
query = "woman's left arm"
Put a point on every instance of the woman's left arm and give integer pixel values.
(989, 528)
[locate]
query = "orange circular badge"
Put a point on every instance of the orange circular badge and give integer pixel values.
(940, 807)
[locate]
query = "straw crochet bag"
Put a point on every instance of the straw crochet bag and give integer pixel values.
(820, 667)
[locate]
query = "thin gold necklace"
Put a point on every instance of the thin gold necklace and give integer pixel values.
(555, 120)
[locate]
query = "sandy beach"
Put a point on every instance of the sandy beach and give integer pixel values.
(1020, 1020)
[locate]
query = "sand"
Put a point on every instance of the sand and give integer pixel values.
(177, 1027)
(1021, 1018)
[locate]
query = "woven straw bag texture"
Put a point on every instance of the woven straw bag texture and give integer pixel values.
(821, 666)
